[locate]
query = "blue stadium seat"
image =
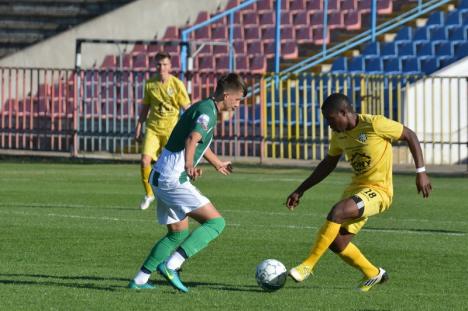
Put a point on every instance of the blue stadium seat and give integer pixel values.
(458, 33)
(428, 65)
(373, 65)
(460, 49)
(443, 48)
(463, 4)
(438, 33)
(424, 49)
(453, 18)
(392, 66)
(389, 50)
(372, 48)
(340, 65)
(410, 65)
(404, 34)
(421, 34)
(406, 49)
(446, 60)
(436, 18)
(356, 65)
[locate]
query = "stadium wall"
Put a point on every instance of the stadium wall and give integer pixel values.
(143, 19)
(437, 111)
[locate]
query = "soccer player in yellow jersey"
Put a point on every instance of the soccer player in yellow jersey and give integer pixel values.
(164, 96)
(365, 141)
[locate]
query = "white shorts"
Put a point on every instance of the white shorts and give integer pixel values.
(175, 203)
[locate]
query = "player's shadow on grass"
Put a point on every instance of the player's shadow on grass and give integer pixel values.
(57, 280)
(42, 279)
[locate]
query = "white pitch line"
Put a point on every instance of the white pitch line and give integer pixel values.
(255, 212)
(297, 227)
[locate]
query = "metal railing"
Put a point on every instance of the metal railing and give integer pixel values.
(40, 111)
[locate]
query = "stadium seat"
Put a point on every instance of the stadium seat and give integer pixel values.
(372, 48)
(373, 65)
(406, 49)
(297, 5)
(424, 48)
(410, 65)
(428, 65)
(389, 50)
(438, 33)
(349, 5)
(392, 66)
(303, 34)
(356, 65)
(300, 19)
(404, 34)
(443, 48)
(435, 19)
(352, 20)
(340, 65)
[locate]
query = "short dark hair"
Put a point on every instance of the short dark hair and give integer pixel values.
(230, 82)
(162, 55)
(335, 102)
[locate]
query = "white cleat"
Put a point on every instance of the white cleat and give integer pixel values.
(146, 202)
(367, 284)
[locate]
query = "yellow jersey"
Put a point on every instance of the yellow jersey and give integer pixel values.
(368, 148)
(165, 100)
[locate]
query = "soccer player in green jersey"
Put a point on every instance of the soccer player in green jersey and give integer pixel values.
(176, 197)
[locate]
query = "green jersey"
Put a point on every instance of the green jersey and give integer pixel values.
(201, 117)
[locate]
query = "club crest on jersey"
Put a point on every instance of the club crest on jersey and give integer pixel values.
(170, 91)
(362, 137)
(203, 121)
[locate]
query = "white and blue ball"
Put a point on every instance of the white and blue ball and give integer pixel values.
(271, 274)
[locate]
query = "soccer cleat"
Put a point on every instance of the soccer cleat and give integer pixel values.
(146, 202)
(301, 272)
(367, 284)
(147, 285)
(172, 276)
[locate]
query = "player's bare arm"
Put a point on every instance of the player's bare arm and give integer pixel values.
(141, 119)
(325, 167)
(190, 146)
(423, 184)
(223, 167)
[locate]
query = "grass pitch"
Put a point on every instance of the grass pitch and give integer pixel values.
(72, 237)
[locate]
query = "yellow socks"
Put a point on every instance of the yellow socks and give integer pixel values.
(353, 256)
(325, 237)
(145, 173)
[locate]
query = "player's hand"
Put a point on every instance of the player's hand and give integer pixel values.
(138, 135)
(225, 168)
(423, 184)
(293, 200)
(193, 172)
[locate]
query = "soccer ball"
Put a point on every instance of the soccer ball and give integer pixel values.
(271, 274)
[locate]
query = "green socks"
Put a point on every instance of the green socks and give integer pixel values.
(203, 235)
(164, 248)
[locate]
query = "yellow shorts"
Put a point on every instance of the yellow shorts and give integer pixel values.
(372, 200)
(154, 143)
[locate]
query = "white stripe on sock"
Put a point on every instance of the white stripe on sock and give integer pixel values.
(175, 261)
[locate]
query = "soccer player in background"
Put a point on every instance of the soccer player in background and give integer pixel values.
(164, 96)
(177, 198)
(366, 142)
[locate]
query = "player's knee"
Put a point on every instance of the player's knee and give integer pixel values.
(217, 224)
(336, 214)
(145, 161)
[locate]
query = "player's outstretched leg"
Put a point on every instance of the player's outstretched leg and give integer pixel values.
(325, 237)
(367, 284)
(198, 240)
(161, 250)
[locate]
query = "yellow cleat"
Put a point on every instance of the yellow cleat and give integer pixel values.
(367, 284)
(301, 272)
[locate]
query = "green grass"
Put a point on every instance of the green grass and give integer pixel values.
(72, 237)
